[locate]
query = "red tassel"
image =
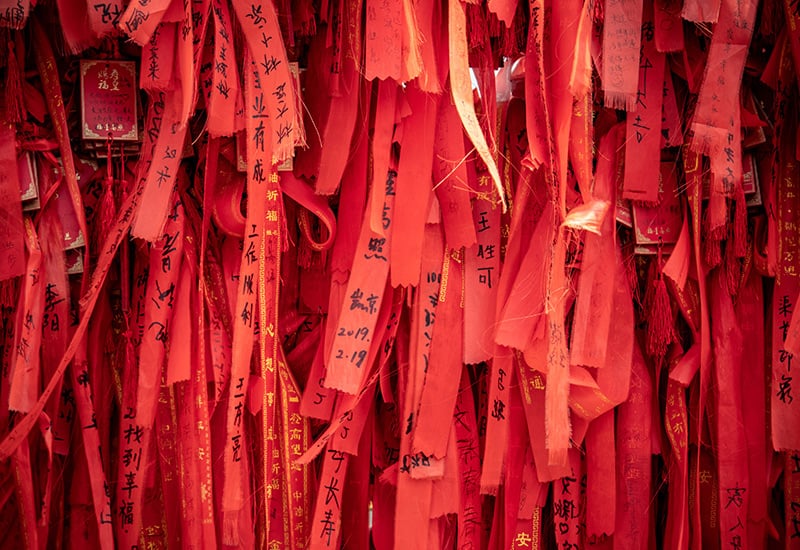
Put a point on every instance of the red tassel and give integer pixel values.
(284, 228)
(304, 255)
(712, 252)
(496, 28)
(318, 260)
(660, 332)
(712, 244)
(733, 271)
(106, 209)
(716, 228)
(15, 110)
(740, 226)
(508, 41)
(475, 26)
(737, 244)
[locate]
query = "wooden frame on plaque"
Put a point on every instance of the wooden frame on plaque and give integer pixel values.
(108, 100)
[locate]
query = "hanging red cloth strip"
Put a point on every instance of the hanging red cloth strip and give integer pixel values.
(785, 432)
(750, 319)
(462, 91)
(601, 477)
(593, 311)
(622, 27)
(676, 423)
(264, 40)
(716, 115)
(225, 89)
(734, 486)
(413, 186)
(12, 243)
(481, 273)
(25, 376)
(438, 395)
(364, 296)
(166, 259)
(643, 143)
(344, 103)
(634, 429)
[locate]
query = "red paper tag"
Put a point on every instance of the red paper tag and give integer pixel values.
(749, 175)
(614, 378)
(74, 262)
(108, 100)
(661, 224)
(162, 168)
(28, 181)
(179, 359)
(73, 237)
(382, 134)
(624, 215)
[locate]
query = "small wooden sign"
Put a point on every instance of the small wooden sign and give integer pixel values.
(108, 100)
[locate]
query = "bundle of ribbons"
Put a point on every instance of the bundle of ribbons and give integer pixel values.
(406, 274)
